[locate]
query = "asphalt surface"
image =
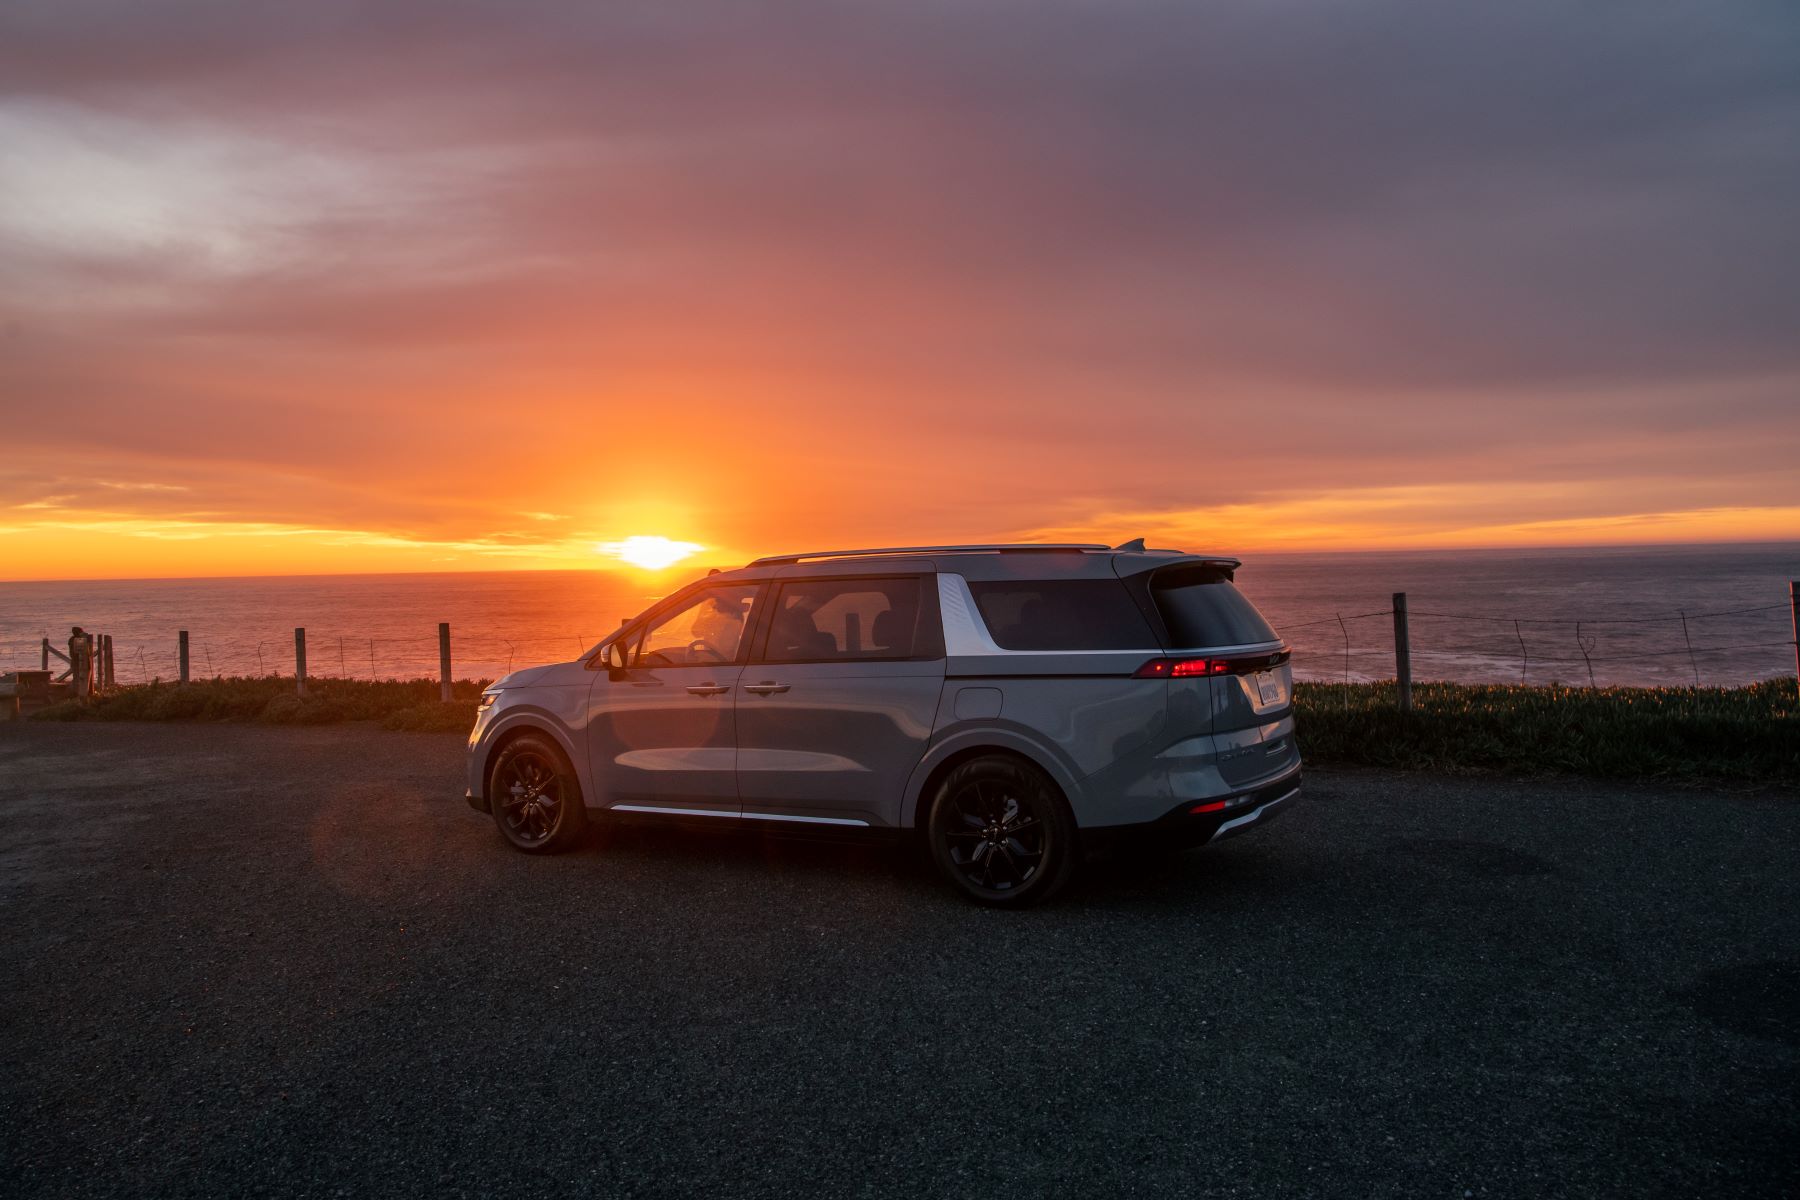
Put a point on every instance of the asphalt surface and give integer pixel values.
(247, 961)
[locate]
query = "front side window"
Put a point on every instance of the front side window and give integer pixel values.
(1062, 614)
(708, 629)
(827, 620)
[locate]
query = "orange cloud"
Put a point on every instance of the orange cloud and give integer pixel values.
(1428, 517)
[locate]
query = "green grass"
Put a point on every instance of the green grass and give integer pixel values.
(271, 700)
(1749, 734)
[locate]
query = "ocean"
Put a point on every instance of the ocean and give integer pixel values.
(1611, 615)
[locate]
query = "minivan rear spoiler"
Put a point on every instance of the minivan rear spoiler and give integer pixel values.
(1218, 562)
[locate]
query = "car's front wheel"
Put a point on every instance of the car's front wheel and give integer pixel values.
(1001, 831)
(534, 796)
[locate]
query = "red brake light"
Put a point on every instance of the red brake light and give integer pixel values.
(1188, 668)
(1179, 668)
(1215, 806)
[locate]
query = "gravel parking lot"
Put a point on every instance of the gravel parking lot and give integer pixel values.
(245, 960)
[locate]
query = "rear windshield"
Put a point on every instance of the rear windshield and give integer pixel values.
(1201, 607)
(1062, 614)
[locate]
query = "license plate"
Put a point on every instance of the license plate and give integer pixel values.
(1270, 687)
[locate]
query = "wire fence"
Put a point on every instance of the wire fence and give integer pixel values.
(1732, 645)
(1729, 646)
(329, 655)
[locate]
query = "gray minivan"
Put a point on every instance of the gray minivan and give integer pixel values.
(1005, 703)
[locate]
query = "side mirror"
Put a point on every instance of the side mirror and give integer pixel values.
(617, 656)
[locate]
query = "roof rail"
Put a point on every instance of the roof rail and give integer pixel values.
(999, 548)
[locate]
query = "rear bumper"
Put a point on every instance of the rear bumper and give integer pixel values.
(1197, 822)
(1262, 813)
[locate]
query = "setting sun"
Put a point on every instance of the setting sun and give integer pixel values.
(650, 553)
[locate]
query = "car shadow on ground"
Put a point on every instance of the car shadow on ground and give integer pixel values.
(698, 849)
(1112, 878)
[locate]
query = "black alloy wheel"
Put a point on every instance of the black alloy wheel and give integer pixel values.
(534, 797)
(1001, 831)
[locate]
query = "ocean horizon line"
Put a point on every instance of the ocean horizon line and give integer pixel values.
(674, 572)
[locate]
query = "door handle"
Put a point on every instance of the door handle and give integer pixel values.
(708, 689)
(766, 689)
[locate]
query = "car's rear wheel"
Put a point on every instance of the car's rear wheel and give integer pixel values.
(534, 796)
(1001, 831)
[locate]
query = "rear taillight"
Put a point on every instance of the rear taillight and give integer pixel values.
(1188, 668)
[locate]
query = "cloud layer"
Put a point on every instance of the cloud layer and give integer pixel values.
(795, 274)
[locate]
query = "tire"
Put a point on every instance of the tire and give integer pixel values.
(1001, 832)
(534, 796)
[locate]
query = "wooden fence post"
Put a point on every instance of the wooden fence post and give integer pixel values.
(81, 666)
(300, 661)
(444, 661)
(108, 682)
(1402, 653)
(46, 663)
(182, 637)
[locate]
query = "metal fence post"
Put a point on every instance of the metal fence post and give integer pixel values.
(1402, 654)
(1794, 609)
(300, 661)
(444, 660)
(182, 637)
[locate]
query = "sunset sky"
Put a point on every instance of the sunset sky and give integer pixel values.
(427, 286)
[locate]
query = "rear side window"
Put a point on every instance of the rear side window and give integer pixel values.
(1062, 614)
(1202, 607)
(831, 620)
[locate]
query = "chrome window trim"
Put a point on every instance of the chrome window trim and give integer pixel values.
(964, 633)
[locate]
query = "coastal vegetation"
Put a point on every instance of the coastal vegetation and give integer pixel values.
(271, 699)
(1749, 734)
